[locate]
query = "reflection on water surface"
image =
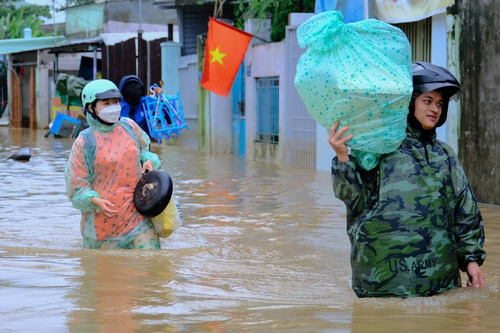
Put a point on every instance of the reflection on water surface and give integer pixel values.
(263, 247)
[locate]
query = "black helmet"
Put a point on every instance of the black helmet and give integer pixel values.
(132, 89)
(427, 77)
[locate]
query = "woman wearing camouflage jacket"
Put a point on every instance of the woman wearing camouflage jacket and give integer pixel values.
(412, 221)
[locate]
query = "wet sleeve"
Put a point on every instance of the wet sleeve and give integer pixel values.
(144, 142)
(78, 178)
(469, 225)
(350, 183)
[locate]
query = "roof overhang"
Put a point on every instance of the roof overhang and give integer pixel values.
(77, 46)
(170, 4)
(18, 45)
(60, 44)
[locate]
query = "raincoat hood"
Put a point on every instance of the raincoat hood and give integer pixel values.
(129, 78)
(132, 89)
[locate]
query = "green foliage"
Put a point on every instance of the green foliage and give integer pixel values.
(14, 19)
(278, 10)
(13, 26)
(9, 6)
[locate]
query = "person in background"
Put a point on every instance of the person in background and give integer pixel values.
(133, 91)
(412, 221)
(104, 166)
(134, 95)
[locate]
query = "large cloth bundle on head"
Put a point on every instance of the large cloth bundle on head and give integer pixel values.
(359, 73)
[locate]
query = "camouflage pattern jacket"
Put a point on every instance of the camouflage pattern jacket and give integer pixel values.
(412, 221)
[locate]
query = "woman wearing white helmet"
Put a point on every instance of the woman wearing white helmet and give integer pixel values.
(413, 221)
(105, 164)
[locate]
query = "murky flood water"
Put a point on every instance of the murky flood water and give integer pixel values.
(262, 248)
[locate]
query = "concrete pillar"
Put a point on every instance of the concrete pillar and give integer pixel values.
(261, 29)
(170, 55)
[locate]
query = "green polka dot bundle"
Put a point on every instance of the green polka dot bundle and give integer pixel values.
(359, 73)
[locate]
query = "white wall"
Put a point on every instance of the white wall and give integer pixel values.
(221, 123)
(188, 91)
(439, 57)
(324, 152)
(269, 62)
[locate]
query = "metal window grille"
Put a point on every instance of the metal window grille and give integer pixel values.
(268, 109)
(420, 36)
(300, 127)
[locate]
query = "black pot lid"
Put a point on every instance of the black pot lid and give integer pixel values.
(153, 192)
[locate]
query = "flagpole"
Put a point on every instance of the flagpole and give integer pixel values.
(262, 39)
(253, 36)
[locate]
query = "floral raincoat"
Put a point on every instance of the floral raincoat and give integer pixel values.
(106, 162)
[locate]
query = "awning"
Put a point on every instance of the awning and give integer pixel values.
(17, 45)
(402, 11)
(78, 46)
(181, 3)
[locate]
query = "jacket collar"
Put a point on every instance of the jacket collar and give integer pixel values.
(421, 134)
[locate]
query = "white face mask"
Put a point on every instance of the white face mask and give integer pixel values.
(111, 114)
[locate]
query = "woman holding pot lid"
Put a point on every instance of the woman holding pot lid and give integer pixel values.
(106, 162)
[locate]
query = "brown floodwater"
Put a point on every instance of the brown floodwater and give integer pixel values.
(262, 248)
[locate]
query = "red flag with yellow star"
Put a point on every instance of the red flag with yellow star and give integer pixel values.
(224, 52)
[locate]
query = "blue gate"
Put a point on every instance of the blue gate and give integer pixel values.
(238, 131)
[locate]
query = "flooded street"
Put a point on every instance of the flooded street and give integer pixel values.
(263, 248)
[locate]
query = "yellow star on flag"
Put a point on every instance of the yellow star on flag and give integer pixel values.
(217, 56)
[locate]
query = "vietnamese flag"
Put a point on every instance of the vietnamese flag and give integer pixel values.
(224, 52)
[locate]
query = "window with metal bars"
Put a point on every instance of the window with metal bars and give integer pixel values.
(268, 109)
(420, 36)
